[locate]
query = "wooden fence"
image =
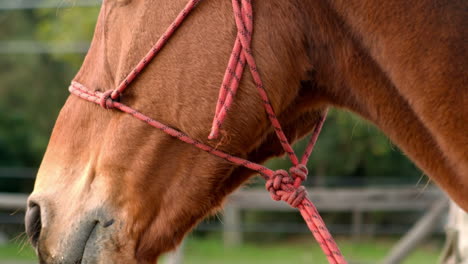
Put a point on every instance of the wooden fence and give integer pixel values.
(358, 201)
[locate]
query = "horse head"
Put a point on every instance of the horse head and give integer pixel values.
(109, 183)
(111, 189)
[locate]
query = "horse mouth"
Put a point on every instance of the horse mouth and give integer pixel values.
(87, 247)
(81, 247)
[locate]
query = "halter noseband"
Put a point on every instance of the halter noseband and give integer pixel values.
(281, 184)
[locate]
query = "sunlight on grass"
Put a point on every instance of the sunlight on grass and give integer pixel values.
(211, 251)
(16, 251)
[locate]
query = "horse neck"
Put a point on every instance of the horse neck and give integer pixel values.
(399, 77)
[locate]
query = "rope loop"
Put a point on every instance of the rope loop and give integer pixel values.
(106, 100)
(283, 186)
(299, 174)
(115, 94)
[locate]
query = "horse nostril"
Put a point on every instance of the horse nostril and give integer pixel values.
(33, 223)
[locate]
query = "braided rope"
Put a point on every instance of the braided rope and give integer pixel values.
(244, 22)
(155, 49)
(281, 184)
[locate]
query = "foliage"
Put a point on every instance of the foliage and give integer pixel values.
(33, 88)
(67, 25)
(352, 151)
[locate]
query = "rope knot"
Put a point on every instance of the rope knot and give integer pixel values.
(283, 186)
(106, 100)
(299, 174)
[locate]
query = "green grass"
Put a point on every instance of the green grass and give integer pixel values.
(211, 251)
(16, 251)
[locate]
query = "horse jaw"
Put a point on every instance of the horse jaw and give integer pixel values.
(102, 165)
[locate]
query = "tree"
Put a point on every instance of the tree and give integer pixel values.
(33, 87)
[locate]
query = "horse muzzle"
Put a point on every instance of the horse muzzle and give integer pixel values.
(69, 239)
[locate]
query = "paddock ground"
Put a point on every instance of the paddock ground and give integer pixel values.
(210, 250)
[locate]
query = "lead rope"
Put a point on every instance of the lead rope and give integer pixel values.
(281, 184)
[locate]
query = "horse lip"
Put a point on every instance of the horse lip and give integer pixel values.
(86, 242)
(78, 248)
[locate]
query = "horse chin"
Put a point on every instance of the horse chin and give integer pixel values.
(77, 247)
(100, 247)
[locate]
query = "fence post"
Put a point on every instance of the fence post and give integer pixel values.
(357, 224)
(418, 232)
(176, 256)
(232, 230)
(456, 236)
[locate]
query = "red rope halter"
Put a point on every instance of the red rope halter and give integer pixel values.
(281, 184)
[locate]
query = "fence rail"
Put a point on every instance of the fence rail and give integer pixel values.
(355, 200)
(345, 199)
(18, 173)
(358, 201)
(326, 199)
(37, 47)
(37, 4)
(13, 201)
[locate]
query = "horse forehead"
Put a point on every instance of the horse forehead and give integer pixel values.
(181, 85)
(206, 37)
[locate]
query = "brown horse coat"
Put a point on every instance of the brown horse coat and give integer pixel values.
(400, 64)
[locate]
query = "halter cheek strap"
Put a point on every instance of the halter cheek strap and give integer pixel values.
(282, 185)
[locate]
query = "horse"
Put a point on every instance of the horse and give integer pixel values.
(111, 189)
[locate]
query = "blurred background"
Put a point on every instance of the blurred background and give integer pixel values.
(371, 196)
